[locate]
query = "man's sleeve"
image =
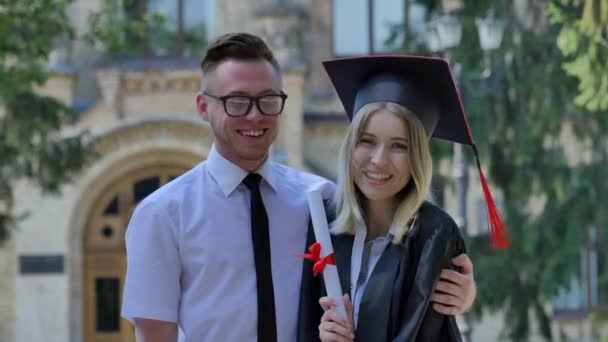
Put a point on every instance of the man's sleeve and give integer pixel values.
(152, 285)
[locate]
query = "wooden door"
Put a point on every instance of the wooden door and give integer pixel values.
(104, 251)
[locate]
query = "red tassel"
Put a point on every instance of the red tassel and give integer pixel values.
(499, 235)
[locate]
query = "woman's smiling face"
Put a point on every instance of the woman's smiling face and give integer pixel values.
(380, 162)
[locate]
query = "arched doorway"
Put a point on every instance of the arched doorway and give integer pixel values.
(104, 250)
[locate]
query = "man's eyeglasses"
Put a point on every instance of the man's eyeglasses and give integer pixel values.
(240, 105)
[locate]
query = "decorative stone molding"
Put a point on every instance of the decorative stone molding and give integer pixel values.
(59, 85)
(118, 84)
(164, 130)
(109, 84)
(158, 81)
(283, 27)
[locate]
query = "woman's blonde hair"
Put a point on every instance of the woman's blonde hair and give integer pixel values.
(348, 200)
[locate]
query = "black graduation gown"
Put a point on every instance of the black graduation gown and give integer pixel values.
(396, 302)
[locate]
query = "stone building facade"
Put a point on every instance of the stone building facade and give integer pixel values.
(61, 272)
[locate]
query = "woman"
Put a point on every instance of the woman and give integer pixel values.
(390, 244)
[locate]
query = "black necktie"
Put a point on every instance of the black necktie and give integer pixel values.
(267, 331)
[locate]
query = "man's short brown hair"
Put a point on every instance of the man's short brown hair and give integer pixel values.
(239, 46)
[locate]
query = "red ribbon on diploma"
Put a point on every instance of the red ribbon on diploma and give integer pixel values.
(315, 256)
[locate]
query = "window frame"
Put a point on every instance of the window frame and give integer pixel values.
(145, 43)
(370, 34)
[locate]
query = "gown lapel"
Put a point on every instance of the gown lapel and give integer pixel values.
(375, 307)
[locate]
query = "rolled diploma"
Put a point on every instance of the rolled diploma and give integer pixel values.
(321, 229)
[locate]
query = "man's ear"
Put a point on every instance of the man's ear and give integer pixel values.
(202, 106)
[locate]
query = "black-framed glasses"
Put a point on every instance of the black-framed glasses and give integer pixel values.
(240, 105)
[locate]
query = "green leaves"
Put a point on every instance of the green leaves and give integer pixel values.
(541, 131)
(592, 71)
(595, 16)
(29, 31)
(27, 25)
(583, 40)
(32, 145)
(118, 29)
(568, 41)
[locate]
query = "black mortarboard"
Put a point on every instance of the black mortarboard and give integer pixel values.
(424, 86)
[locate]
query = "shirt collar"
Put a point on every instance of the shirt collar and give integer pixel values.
(229, 176)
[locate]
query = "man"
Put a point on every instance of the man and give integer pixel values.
(200, 264)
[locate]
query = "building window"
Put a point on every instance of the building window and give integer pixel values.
(186, 27)
(359, 24)
(107, 308)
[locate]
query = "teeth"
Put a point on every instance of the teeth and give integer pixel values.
(377, 176)
(253, 133)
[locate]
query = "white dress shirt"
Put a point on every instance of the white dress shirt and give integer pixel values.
(190, 254)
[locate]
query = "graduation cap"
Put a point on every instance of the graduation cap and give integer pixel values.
(424, 86)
